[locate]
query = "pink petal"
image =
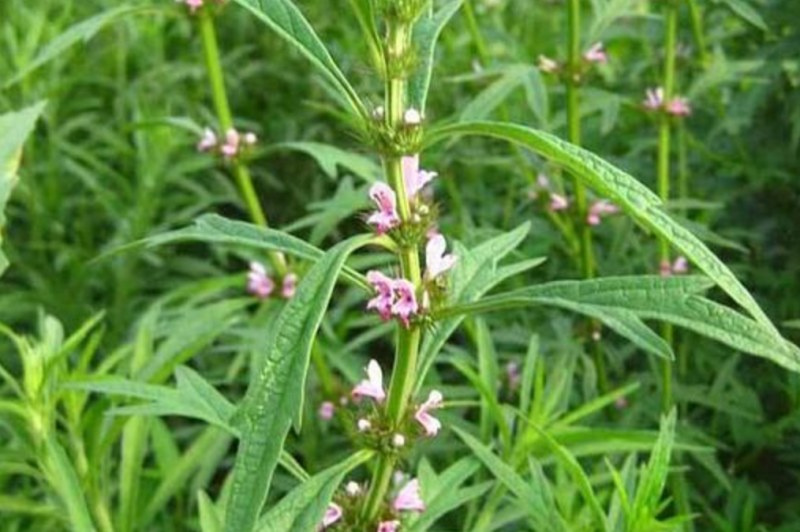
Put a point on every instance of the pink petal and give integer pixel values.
(332, 515)
(409, 498)
(405, 305)
(436, 262)
(372, 386)
(389, 526)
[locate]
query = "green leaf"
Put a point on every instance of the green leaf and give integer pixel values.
(283, 17)
(622, 302)
(210, 516)
(534, 500)
(216, 229)
(654, 477)
(511, 78)
(302, 509)
(14, 130)
(64, 479)
(275, 397)
(634, 198)
(746, 12)
(83, 31)
(426, 33)
(477, 272)
(330, 158)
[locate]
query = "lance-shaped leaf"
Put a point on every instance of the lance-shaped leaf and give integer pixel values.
(275, 397)
(476, 273)
(623, 302)
(634, 198)
(212, 228)
(426, 33)
(302, 509)
(14, 129)
(283, 17)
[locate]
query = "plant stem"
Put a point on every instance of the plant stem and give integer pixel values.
(664, 141)
(223, 110)
(408, 339)
(585, 260)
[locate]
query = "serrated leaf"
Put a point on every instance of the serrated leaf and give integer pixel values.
(635, 199)
(275, 397)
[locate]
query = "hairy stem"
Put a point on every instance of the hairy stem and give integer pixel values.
(408, 339)
(223, 110)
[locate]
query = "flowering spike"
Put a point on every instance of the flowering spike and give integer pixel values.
(259, 283)
(436, 261)
(679, 106)
(431, 425)
(372, 386)
(409, 499)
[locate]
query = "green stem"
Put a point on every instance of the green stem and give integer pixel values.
(586, 261)
(408, 339)
(223, 110)
(663, 165)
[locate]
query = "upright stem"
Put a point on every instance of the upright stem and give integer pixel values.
(664, 140)
(220, 96)
(586, 247)
(408, 339)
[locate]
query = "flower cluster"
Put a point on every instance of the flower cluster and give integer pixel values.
(655, 102)
(261, 285)
(407, 499)
(396, 140)
(194, 5)
(595, 55)
(557, 202)
(680, 266)
(386, 217)
(230, 147)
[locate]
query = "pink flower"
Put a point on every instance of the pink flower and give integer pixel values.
(384, 287)
(436, 261)
(558, 202)
(596, 54)
(332, 515)
(326, 410)
(289, 285)
(405, 305)
(193, 5)
(372, 386)
(598, 210)
(679, 106)
(431, 425)
(385, 218)
(208, 141)
(414, 178)
(409, 499)
(654, 100)
(259, 283)
(547, 65)
(389, 526)
(681, 265)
